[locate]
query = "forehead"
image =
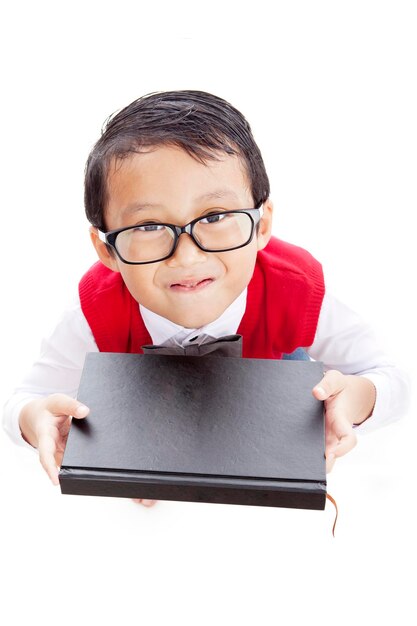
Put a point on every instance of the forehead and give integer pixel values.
(167, 174)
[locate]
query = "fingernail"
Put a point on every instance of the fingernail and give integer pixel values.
(81, 410)
(321, 392)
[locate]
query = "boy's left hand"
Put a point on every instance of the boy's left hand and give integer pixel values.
(348, 400)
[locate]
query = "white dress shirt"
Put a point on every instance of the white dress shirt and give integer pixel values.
(343, 342)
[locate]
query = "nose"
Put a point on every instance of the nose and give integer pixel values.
(186, 253)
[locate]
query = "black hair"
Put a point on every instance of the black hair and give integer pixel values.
(198, 122)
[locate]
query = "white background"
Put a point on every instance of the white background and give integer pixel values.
(330, 91)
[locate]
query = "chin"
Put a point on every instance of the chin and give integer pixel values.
(194, 321)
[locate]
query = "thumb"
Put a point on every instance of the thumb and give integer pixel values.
(332, 383)
(61, 404)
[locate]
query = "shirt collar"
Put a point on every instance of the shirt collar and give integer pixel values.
(162, 330)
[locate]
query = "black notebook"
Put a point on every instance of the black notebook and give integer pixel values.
(203, 429)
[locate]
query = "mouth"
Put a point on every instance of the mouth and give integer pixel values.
(191, 285)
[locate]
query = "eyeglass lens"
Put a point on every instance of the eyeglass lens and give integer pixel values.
(150, 242)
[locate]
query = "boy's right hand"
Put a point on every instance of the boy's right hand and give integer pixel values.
(45, 425)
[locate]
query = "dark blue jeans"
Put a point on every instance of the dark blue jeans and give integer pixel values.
(297, 355)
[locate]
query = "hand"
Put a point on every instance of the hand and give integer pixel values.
(348, 400)
(45, 425)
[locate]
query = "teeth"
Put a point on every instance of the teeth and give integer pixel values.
(189, 284)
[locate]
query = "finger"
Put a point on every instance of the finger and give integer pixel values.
(337, 425)
(64, 429)
(332, 383)
(59, 455)
(345, 444)
(46, 449)
(339, 433)
(330, 461)
(147, 503)
(61, 404)
(330, 440)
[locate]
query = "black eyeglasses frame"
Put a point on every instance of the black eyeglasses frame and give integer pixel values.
(110, 237)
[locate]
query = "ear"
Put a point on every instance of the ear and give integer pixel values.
(104, 254)
(265, 225)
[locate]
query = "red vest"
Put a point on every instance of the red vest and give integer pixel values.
(282, 310)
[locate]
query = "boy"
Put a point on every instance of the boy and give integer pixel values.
(178, 198)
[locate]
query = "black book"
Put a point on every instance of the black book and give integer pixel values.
(202, 429)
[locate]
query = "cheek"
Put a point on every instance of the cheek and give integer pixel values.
(139, 280)
(241, 263)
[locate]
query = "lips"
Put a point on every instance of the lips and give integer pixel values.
(192, 284)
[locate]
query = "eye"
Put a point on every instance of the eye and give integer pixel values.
(148, 228)
(213, 219)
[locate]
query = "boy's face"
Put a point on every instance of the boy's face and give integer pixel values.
(192, 287)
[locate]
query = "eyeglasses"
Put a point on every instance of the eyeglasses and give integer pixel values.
(215, 232)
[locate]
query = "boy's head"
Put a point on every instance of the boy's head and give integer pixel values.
(200, 123)
(170, 159)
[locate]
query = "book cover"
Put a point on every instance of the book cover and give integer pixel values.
(204, 429)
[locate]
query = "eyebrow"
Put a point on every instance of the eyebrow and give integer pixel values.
(218, 194)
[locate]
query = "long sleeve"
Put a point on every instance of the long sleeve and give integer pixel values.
(57, 369)
(346, 343)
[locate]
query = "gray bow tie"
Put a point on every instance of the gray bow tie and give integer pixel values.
(231, 345)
